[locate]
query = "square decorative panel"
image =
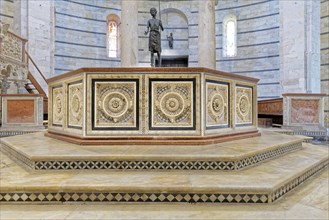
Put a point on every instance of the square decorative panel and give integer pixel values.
(58, 106)
(115, 104)
(75, 105)
(172, 104)
(217, 104)
(243, 105)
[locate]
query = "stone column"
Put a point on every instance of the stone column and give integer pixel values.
(129, 33)
(207, 37)
(300, 46)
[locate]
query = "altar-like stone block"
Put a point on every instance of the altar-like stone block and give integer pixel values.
(303, 111)
(21, 111)
(151, 106)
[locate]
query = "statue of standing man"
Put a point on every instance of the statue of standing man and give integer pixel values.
(153, 26)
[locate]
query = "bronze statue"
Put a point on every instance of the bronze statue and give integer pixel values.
(154, 25)
(170, 41)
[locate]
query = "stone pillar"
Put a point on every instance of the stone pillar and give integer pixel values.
(300, 46)
(129, 33)
(207, 36)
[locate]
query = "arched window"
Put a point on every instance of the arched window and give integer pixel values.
(112, 36)
(112, 39)
(229, 36)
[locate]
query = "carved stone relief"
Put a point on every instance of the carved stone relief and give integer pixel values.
(75, 108)
(243, 105)
(13, 71)
(58, 106)
(116, 104)
(172, 104)
(217, 113)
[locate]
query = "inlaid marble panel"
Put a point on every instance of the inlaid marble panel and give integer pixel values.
(243, 105)
(58, 106)
(20, 111)
(115, 104)
(217, 104)
(172, 104)
(305, 111)
(75, 104)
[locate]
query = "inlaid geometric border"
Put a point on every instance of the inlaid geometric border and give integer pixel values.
(278, 193)
(14, 133)
(132, 197)
(157, 197)
(17, 157)
(153, 165)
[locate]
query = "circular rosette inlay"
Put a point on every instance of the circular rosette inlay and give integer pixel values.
(75, 104)
(172, 104)
(115, 104)
(217, 105)
(58, 105)
(244, 105)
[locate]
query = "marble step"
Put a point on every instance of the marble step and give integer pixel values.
(264, 183)
(37, 152)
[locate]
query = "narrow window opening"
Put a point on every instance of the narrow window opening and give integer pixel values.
(230, 42)
(112, 39)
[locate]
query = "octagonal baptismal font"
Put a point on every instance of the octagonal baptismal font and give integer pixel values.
(148, 120)
(151, 106)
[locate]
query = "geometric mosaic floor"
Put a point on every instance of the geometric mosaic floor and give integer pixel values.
(264, 182)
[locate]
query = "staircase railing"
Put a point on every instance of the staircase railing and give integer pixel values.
(35, 83)
(32, 78)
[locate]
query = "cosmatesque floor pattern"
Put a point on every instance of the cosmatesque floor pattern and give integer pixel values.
(309, 202)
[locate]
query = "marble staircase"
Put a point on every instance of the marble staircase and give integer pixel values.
(255, 170)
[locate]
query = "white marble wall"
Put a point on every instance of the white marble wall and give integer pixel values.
(34, 21)
(266, 48)
(7, 12)
(80, 38)
(300, 48)
(324, 36)
(258, 43)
